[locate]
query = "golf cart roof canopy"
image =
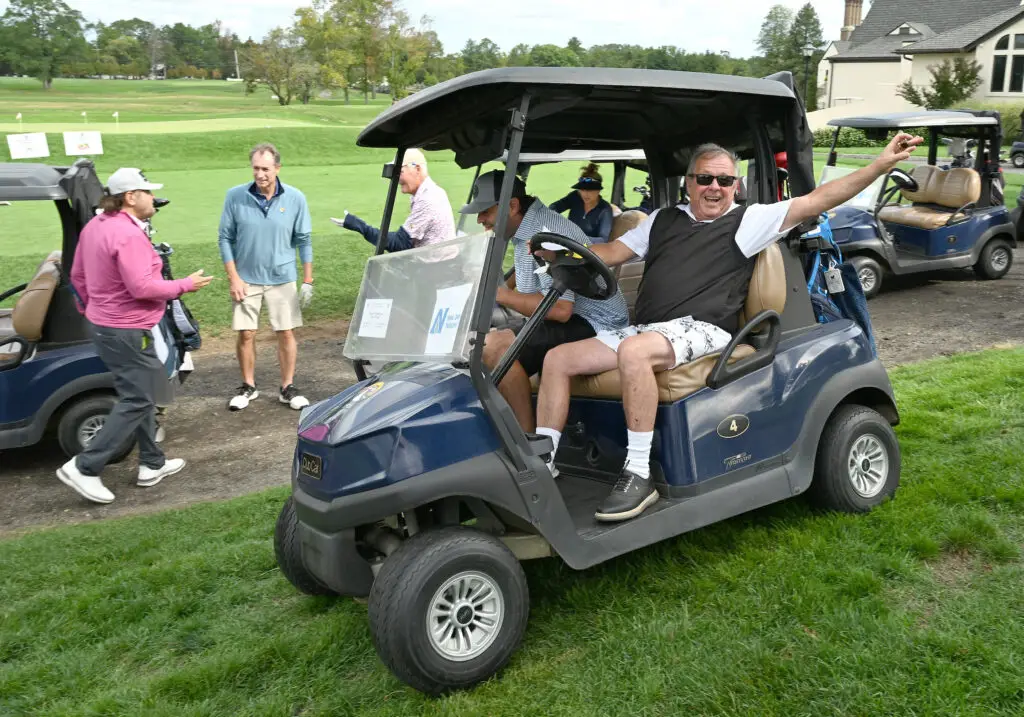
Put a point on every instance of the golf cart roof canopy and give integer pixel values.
(589, 109)
(923, 118)
(20, 182)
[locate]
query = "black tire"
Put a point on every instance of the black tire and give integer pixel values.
(870, 274)
(288, 551)
(995, 260)
(79, 418)
(862, 429)
(1017, 160)
(406, 586)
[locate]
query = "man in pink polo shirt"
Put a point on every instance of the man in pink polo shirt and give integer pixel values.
(116, 274)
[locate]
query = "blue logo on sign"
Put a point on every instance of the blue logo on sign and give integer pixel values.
(438, 325)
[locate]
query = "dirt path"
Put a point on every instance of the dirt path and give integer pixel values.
(231, 454)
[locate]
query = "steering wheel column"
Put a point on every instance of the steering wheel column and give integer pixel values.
(580, 271)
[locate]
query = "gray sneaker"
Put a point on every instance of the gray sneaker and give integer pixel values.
(630, 497)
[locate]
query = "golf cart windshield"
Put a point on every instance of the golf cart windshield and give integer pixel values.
(867, 199)
(416, 305)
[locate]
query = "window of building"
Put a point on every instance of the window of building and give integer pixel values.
(1017, 74)
(998, 73)
(1004, 43)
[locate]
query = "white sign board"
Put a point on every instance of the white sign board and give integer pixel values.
(28, 146)
(77, 144)
(376, 314)
(447, 316)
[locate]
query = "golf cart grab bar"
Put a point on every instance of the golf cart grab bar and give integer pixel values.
(724, 372)
(12, 292)
(26, 350)
(967, 209)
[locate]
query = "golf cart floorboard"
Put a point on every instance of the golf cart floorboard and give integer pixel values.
(583, 495)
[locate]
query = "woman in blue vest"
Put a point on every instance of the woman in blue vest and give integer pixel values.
(587, 209)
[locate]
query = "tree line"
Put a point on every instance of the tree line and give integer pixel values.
(348, 46)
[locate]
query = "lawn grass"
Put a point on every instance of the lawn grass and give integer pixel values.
(913, 609)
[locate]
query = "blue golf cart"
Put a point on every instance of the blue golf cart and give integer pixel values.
(417, 489)
(51, 378)
(952, 218)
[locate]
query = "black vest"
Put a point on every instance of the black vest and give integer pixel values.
(694, 269)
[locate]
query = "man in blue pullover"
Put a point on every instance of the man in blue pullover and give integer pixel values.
(262, 225)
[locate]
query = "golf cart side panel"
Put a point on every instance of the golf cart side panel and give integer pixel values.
(959, 238)
(409, 422)
(23, 418)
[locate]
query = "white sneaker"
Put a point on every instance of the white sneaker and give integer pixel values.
(149, 477)
(291, 396)
(89, 487)
(241, 399)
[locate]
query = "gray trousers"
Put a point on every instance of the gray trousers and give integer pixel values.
(131, 358)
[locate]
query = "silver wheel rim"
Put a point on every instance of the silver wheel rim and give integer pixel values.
(1000, 258)
(465, 616)
(867, 278)
(89, 428)
(868, 466)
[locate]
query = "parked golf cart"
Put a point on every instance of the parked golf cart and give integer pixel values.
(418, 489)
(956, 217)
(51, 378)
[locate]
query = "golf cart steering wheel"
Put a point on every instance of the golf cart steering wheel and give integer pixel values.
(580, 270)
(902, 182)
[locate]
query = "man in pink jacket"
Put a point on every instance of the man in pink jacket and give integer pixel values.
(116, 274)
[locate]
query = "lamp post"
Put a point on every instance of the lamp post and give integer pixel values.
(808, 51)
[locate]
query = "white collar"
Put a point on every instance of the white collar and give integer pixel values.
(686, 208)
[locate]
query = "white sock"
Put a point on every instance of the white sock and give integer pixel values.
(555, 437)
(638, 452)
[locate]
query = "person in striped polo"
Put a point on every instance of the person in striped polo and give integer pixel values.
(572, 318)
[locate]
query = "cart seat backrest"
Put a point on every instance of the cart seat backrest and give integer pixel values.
(628, 275)
(951, 188)
(29, 313)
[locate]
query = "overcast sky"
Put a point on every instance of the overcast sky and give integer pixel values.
(716, 25)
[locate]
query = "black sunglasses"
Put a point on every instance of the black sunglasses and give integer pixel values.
(704, 180)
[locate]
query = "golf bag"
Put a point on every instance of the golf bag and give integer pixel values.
(833, 285)
(179, 327)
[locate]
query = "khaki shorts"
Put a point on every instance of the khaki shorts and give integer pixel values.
(282, 308)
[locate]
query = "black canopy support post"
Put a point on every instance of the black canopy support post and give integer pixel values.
(933, 145)
(832, 155)
(469, 198)
(618, 195)
(529, 330)
(389, 204)
(509, 431)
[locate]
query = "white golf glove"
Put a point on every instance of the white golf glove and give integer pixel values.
(305, 295)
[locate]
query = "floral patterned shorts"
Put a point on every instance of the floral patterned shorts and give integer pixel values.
(690, 339)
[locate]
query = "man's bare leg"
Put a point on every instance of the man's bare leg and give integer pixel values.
(245, 350)
(515, 387)
(287, 351)
(580, 358)
(639, 357)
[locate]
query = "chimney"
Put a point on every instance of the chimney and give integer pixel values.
(852, 18)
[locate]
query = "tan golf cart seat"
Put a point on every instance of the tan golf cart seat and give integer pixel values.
(939, 195)
(767, 291)
(28, 316)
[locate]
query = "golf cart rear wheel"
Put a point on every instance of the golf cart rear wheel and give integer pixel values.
(82, 422)
(870, 274)
(1017, 160)
(858, 462)
(995, 260)
(448, 609)
(288, 551)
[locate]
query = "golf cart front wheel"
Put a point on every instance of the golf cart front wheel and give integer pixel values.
(995, 260)
(288, 551)
(858, 462)
(448, 609)
(870, 273)
(82, 422)
(1017, 160)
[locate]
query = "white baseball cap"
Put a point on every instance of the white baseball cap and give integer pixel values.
(129, 179)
